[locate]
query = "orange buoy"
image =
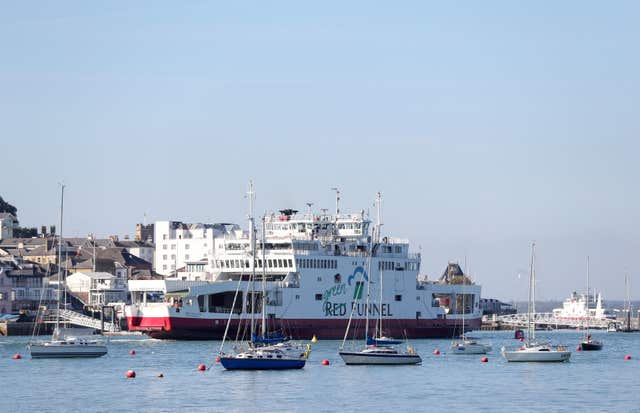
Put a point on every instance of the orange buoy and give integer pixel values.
(484, 359)
(218, 359)
(627, 357)
(578, 348)
(160, 375)
(436, 352)
(325, 362)
(17, 356)
(130, 374)
(202, 367)
(132, 352)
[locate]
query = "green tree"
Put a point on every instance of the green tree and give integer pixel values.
(7, 207)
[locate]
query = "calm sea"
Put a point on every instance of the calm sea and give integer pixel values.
(592, 381)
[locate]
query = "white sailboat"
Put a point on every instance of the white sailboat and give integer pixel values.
(465, 344)
(378, 350)
(532, 350)
(61, 345)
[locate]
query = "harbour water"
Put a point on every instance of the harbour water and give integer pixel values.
(596, 381)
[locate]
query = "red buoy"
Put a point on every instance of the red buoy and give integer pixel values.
(325, 362)
(578, 348)
(627, 357)
(130, 374)
(132, 352)
(202, 367)
(436, 352)
(484, 359)
(160, 375)
(17, 356)
(218, 359)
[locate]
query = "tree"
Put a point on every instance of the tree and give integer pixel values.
(7, 207)
(21, 232)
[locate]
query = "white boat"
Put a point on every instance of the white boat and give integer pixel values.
(382, 352)
(62, 346)
(467, 345)
(537, 352)
(532, 350)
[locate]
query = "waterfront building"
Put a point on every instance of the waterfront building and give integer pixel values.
(8, 222)
(179, 243)
(97, 288)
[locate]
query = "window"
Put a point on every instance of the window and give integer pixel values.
(164, 257)
(319, 279)
(398, 297)
(164, 267)
(270, 263)
(337, 278)
(173, 256)
(186, 246)
(280, 263)
(318, 297)
(186, 256)
(164, 236)
(173, 246)
(285, 263)
(164, 246)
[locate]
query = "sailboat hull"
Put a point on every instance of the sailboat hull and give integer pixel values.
(234, 363)
(536, 356)
(591, 345)
(358, 358)
(469, 348)
(47, 350)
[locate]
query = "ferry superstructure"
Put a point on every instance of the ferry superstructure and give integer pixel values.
(316, 273)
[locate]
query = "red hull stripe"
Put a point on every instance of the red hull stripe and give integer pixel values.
(193, 328)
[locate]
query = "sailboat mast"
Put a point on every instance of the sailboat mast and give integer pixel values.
(532, 294)
(378, 224)
(60, 255)
(252, 239)
(588, 298)
(264, 284)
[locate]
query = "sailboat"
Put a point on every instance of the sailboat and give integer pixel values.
(587, 343)
(378, 350)
(532, 350)
(468, 345)
(265, 351)
(61, 345)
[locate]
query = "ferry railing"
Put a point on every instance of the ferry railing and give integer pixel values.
(549, 320)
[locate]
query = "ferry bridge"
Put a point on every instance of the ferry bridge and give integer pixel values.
(548, 320)
(82, 320)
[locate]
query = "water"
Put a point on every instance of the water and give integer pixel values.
(595, 381)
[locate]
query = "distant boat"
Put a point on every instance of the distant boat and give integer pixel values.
(467, 345)
(588, 344)
(532, 350)
(378, 350)
(62, 346)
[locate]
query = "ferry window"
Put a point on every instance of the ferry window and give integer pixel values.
(280, 263)
(173, 246)
(226, 263)
(164, 267)
(173, 256)
(418, 314)
(398, 249)
(270, 262)
(164, 257)
(186, 256)
(246, 264)
(398, 297)
(319, 279)
(201, 303)
(164, 236)
(297, 296)
(318, 297)
(290, 263)
(285, 263)
(260, 263)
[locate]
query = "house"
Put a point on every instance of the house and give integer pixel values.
(26, 285)
(97, 288)
(8, 222)
(141, 249)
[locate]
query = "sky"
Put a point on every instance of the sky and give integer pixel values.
(486, 125)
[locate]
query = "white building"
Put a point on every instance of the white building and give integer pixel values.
(179, 243)
(141, 249)
(97, 288)
(7, 223)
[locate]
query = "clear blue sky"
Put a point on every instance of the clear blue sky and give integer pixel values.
(485, 124)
